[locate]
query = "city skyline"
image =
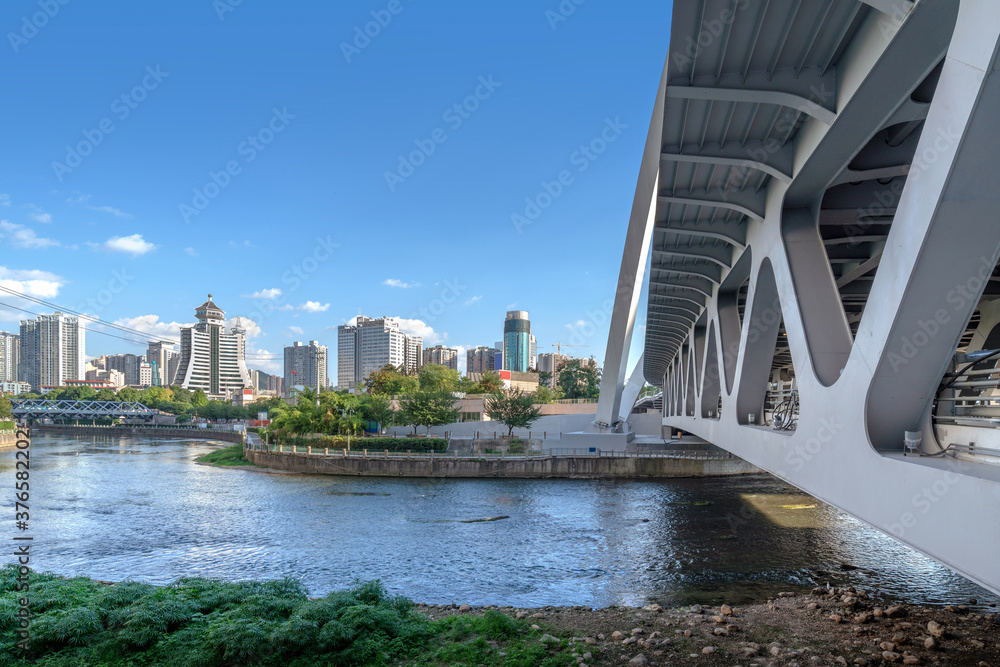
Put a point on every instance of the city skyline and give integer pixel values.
(95, 215)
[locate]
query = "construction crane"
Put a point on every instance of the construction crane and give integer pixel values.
(555, 367)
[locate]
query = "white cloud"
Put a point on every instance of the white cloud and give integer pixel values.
(133, 245)
(462, 359)
(41, 284)
(153, 327)
(41, 217)
(267, 294)
(191, 251)
(475, 299)
(117, 212)
(260, 359)
(4, 200)
(576, 325)
(421, 328)
(297, 330)
(314, 307)
(392, 282)
(252, 328)
(245, 244)
(22, 237)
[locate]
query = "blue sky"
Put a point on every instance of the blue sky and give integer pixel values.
(155, 152)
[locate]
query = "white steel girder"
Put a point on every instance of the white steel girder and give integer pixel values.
(863, 376)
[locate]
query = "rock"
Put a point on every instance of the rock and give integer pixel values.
(687, 633)
(697, 609)
(629, 640)
(975, 643)
(775, 651)
(841, 660)
(465, 607)
(654, 635)
(538, 615)
(549, 640)
(930, 644)
(898, 640)
(721, 632)
(887, 646)
(732, 627)
(617, 636)
(863, 617)
(819, 590)
(638, 631)
(889, 656)
(911, 660)
(849, 600)
(588, 655)
(653, 607)
(639, 660)
(836, 618)
(786, 595)
(600, 637)
(521, 614)
(590, 640)
(719, 619)
(935, 629)
(811, 606)
(708, 650)
(896, 612)
(726, 610)
(535, 627)
(878, 612)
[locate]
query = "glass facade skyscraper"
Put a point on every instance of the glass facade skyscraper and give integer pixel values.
(517, 341)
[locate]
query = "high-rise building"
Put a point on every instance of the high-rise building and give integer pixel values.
(10, 356)
(266, 382)
(306, 365)
(212, 359)
(370, 344)
(480, 359)
(52, 350)
(442, 356)
(517, 341)
(532, 352)
(164, 359)
(131, 366)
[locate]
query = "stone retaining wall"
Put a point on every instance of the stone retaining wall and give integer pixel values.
(119, 431)
(570, 467)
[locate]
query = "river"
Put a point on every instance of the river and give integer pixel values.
(141, 508)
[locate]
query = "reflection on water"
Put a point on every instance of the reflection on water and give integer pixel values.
(138, 508)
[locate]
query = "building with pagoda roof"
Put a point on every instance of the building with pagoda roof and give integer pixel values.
(212, 359)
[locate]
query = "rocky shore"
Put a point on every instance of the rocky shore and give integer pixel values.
(825, 626)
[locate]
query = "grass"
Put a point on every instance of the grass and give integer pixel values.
(203, 622)
(230, 456)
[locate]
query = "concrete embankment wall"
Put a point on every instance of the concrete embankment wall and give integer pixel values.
(571, 467)
(8, 440)
(127, 431)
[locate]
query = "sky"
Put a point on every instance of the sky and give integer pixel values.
(304, 162)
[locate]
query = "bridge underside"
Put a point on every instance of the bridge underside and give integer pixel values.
(818, 204)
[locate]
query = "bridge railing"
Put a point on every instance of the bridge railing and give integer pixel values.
(697, 455)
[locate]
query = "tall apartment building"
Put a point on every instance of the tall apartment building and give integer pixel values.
(306, 365)
(135, 368)
(10, 356)
(266, 382)
(442, 356)
(549, 362)
(212, 359)
(517, 341)
(164, 362)
(532, 352)
(52, 350)
(370, 344)
(480, 359)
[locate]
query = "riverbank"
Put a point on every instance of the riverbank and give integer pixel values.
(139, 431)
(821, 627)
(207, 622)
(382, 464)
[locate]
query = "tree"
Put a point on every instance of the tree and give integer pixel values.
(106, 395)
(180, 395)
(129, 395)
(512, 408)
(5, 408)
(545, 395)
(437, 378)
(156, 396)
(428, 408)
(490, 383)
(580, 378)
(377, 408)
(199, 399)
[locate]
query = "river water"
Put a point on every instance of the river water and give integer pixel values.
(120, 508)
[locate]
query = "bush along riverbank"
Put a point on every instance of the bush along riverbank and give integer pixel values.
(199, 622)
(229, 456)
(338, 442)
